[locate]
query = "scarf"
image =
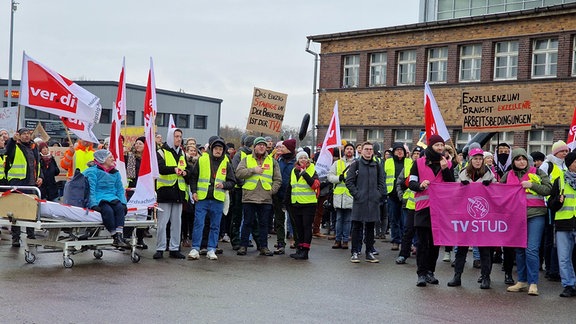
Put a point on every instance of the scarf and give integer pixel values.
(570, 179)
(46, 158)
(105, 169)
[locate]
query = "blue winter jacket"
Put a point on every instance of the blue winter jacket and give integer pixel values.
(104, 186)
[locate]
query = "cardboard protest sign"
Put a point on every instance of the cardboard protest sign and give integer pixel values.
(58, 154)
(267, 111)
(496, 111)
(40, 132)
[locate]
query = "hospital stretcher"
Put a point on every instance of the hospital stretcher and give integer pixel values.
(68, 229)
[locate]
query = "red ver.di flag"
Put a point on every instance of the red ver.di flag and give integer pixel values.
(43, 89)
(478, 215)
(432, 117)
(331, 140)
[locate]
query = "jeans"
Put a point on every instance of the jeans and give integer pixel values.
(253, 212)
(112, 215)
(171, 212)
(213, 209)
(409, 233)
(343, 224)
(396, 220)
(565, 246)
(357, 235)
(528, 259)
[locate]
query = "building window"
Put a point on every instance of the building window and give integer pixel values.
(106, 116)
(574, 56)
(470, 62)
(348, 135)
(506, 60)
(351, 71)
(544, 58)
(182, 121)
(162, 119)
(540, 140)
(503, 137)
(131, 117)
(407, 67)
(403, 135)
(378, 64)
(437, 64)
(463, 138)
(200, 122)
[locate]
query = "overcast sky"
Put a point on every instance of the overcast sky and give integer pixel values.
(219, 48)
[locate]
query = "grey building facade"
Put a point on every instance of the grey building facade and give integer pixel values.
(197, 116)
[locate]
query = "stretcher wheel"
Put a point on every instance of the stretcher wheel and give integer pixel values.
(98, 254)
(135, 257)
(29, 257)
(68, 263)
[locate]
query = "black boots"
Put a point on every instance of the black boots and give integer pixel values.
(119, 241)
(508, 278)
(456, 281)
(301, 254)
(485, 282)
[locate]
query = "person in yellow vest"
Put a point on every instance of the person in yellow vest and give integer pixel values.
(22, 167)
(3, 180)
(77, 157)
(301, 195)
(553, 164)
(262, 179)
(342, 199)
(392, 168)
(562, 201)
(171, 193)
(211, 177)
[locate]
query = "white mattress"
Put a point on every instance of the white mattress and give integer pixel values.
(54, 210)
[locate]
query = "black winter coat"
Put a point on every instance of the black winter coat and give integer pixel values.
(366, 182)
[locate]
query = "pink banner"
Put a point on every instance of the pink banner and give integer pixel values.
(478, 215)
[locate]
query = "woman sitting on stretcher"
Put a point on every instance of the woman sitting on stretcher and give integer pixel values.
(107, 194)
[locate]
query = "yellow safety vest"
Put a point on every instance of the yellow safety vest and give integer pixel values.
(341, 188)
(265, 178)
(390, 169)
(409, 194)
(168, 180)
(568, 209)
(301, 191)
(19, 166)
(81, 159)
(2, 161)
(204, 166)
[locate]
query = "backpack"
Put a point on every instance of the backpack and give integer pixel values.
(77, 190)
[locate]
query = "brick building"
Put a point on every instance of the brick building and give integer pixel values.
(377, 75)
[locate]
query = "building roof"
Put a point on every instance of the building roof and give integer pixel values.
(465, 21)
(16, 83)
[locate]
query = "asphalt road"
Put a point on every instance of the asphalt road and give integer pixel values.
(258, 289)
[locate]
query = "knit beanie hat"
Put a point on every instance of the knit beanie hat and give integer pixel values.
(290, 145)
(259, 140)
(559, 146)
(570, 158)
(301, 154)
(435, 139)
(101, 155)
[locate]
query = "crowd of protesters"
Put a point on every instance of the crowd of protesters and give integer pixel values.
(214, 193)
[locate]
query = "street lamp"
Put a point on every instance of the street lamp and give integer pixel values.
(13, 7)
(315, 91)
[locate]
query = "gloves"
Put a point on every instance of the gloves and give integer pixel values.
(465, 182)
(342, 177)
(486, 182)
(96, 208)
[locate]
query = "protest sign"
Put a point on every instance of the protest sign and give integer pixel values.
(496, 111)
(267, 111)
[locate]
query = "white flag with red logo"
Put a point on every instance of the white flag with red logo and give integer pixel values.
(433, 118)
(43, 89)
(571, 142)
(116, 143)
(80, 128)
(145, 193)
(331, 140)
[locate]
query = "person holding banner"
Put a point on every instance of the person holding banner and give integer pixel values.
(432, 167)
(475, 171)
(537, 185)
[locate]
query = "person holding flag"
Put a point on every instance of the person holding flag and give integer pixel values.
(432, 167)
